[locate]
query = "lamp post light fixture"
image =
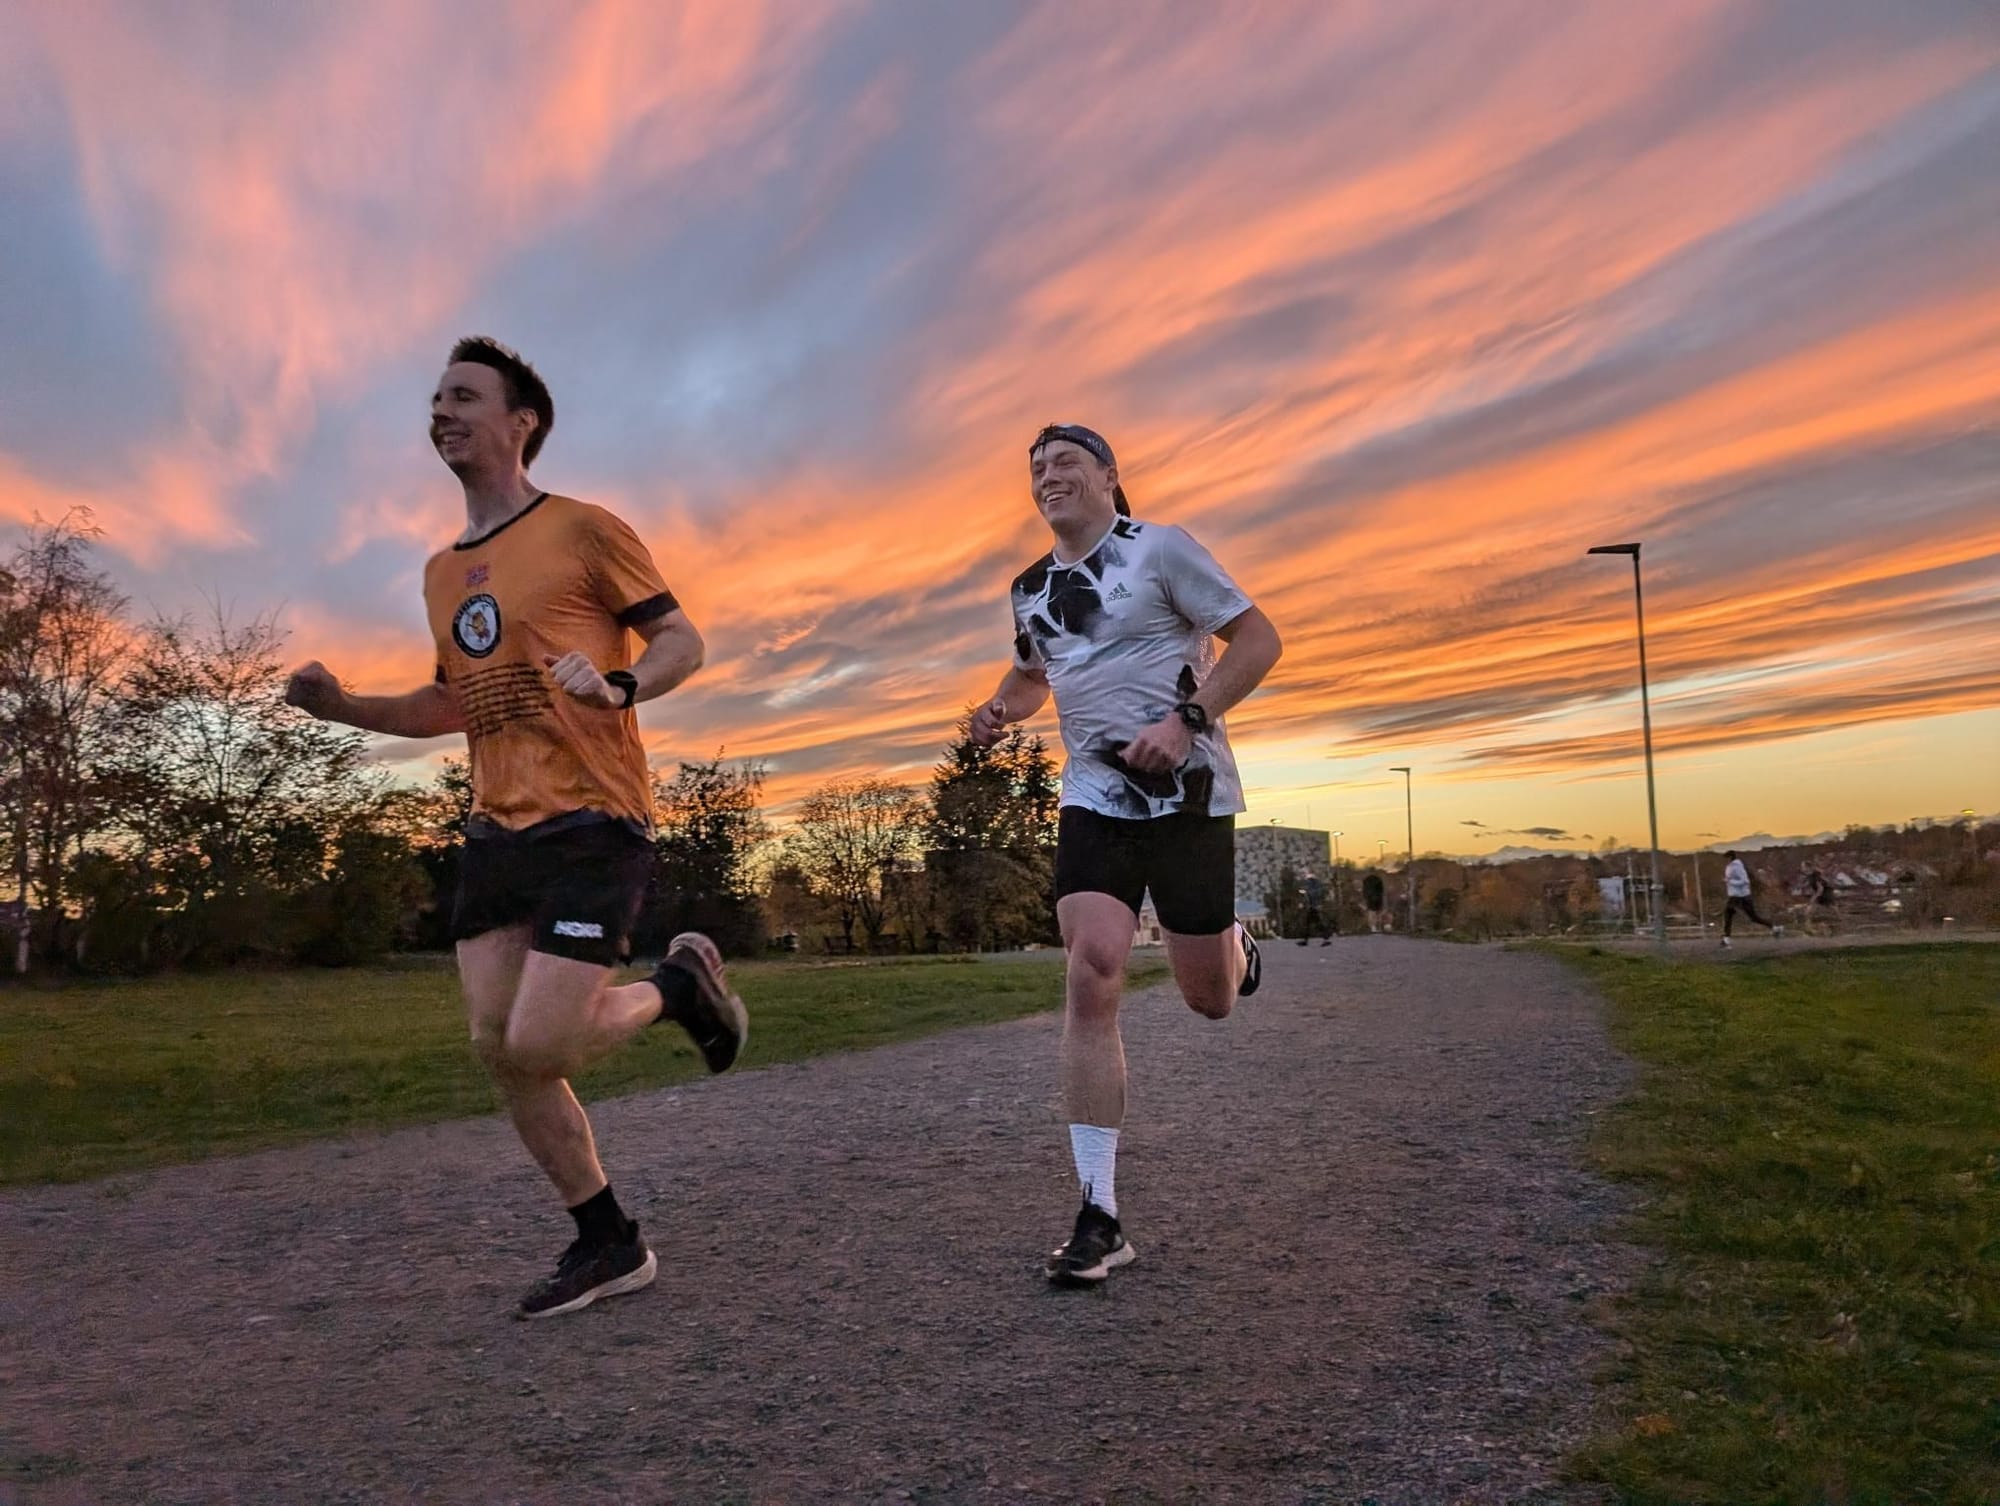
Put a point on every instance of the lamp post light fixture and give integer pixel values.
(1646, 723)
(1336, 876)
(1410, 836)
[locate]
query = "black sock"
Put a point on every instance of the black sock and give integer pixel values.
(600, 1221)
(677, 990)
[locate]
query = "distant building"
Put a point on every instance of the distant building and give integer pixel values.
(1261, 851)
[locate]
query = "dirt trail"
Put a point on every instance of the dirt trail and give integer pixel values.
(1365, 1241)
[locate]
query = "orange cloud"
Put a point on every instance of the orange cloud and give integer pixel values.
(1398, 316)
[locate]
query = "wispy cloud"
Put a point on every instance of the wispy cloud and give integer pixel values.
(1399, 316)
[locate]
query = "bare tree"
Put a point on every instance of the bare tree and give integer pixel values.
(63, 646)
(847, 836)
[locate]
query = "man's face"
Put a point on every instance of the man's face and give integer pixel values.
(472, 428)
(1072, 487)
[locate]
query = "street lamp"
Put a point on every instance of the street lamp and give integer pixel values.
(1646, 722)
(1336, 877)
(1410, 835)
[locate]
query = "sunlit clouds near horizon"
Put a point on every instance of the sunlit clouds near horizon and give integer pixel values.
(1398, 308)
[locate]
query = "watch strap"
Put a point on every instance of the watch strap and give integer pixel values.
(625, 680)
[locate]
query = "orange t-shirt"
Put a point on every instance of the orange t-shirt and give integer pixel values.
(561, 575)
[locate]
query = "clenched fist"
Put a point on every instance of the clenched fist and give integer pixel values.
(577, 678)
(989, 724)
(1161, 748)
(314, 690)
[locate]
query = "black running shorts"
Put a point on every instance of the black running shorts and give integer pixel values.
(578, 885)
(1188, 861)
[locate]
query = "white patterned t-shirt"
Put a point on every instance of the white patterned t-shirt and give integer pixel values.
(1125, 634)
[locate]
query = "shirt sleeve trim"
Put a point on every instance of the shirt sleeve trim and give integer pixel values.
(650, 609)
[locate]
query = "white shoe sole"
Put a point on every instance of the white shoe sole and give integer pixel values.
(643, 1277)
(1091, 1275)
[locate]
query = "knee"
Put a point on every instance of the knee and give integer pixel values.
(527, 1053)
(489, 1044)
(1210, 1001)
(1096, 971)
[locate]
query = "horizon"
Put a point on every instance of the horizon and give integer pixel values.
(1398, 314)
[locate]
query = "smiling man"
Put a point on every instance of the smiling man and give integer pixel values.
(1119, 621)
(533, 609)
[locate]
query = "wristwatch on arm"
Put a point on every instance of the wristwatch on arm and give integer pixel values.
(625, 680)
(1192, 716)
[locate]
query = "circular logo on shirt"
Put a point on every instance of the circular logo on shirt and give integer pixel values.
(475, 626)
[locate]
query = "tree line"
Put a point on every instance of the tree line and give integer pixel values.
(161, 806)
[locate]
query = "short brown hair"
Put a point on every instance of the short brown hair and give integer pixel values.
(520, 382)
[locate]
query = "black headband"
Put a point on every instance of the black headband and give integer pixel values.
(1090, 440)
(1076, 434)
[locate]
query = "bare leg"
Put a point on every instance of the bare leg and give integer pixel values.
(1209, 969)
(516, 1000)
(1097, 934)
(566, 1015)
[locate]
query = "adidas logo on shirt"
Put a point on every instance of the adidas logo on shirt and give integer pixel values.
(1120, 593)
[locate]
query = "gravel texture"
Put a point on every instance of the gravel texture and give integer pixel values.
(1367, 1253)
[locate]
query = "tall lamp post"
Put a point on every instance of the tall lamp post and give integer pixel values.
(1410, 836)
(1336, 878)
(1646, 722)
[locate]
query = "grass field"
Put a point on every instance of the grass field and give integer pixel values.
(104, 1077)
(1818, 1137)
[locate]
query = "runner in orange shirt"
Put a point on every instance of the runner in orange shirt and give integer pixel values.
(533, 609)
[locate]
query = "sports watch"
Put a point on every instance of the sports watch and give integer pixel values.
(625, 680)
(1192, 716)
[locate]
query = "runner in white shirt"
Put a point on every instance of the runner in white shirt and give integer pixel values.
(1119, 621)
(1736, 883)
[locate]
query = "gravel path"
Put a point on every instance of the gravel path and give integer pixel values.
(1366, 1248)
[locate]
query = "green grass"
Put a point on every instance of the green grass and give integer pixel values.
(105, 1077)
(1818, 1139)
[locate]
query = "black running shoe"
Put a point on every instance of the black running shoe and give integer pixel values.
(1253, 965)
(1093, 1251)
(587, 1272)
(715, 1018)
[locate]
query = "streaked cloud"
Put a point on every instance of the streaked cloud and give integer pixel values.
(1400, 308)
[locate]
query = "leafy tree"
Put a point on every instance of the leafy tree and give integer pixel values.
(711, 828)
(789, 901)
(990, 844)
(1443, 907)
(1287, 902)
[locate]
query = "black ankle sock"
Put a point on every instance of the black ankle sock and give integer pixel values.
(600, 1221)
(677, 990)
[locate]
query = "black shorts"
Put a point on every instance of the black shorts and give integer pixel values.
(578, 886)
(1188, 861)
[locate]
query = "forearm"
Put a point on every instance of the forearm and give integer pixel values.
(1253, 650)
(668, 659)
(1022, 694)
(429, 712)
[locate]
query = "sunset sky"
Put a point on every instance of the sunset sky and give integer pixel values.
(1397, 306)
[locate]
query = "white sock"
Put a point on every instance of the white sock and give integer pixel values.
(1096, 1151)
